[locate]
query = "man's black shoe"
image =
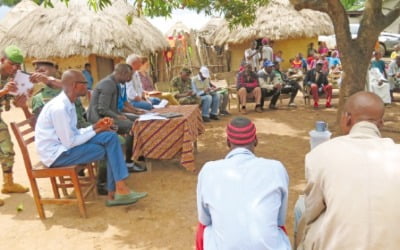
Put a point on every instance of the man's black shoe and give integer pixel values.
(214, 117)
(206, 119)
(101, 189)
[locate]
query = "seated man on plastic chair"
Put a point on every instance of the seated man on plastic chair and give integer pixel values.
(60, 143)
(318, 83)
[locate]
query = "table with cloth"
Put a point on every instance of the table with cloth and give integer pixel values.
(164, 139)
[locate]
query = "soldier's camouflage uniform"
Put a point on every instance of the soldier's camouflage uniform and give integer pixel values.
(6, 146)
(181, 87)
(46, 94)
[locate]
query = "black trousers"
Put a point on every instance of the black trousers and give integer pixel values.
(275, 93)
(292, 87)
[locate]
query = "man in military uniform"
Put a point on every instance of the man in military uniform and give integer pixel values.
(183, 86)
(44, 76)
(10, 62)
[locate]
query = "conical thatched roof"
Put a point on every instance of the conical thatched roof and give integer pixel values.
(76, 30)
(209, 29)
(148, 33)
(177, 28)
(17, 13)
(277, 21)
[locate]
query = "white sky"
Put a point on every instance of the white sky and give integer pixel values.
(188, 17)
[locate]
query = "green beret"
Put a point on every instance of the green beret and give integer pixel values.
(14, 54)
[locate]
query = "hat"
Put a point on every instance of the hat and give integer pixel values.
(242, 134)
(264, 40)
(186, 70)
(205, 72)
(320, 62)
(44, 61)
(14, 54)
(268, 63)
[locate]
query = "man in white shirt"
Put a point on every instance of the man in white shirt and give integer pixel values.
(242, 199)
(252, 56)
(60, 143)
(394, 75)
(134, 88)
(351, 198)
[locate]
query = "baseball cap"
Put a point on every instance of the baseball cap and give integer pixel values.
(14, 54)
(205, 72)
(268, 64)
(186, 70)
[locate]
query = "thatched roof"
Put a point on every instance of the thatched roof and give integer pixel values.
(278, 21)
(17, 13)
(209, 29)
(76, 30)
(150, 35)
(178, 27)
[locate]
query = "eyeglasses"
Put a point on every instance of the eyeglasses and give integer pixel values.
(82, 82)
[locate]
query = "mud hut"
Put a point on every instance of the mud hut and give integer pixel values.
(74, 35)
(291, 31)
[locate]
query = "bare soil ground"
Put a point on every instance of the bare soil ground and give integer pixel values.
(166, 219)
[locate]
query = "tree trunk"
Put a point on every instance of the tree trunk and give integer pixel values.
(355, 53)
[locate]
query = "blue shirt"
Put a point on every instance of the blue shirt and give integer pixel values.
(378, 64)
(333, 61)
(88, 77)
(56, 130)
(242, 200)
(122, 96)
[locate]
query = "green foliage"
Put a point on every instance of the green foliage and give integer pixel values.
(237, 12)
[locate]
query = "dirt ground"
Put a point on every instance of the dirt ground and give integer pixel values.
(166, 219)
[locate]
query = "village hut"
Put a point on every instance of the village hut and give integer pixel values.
(149, 34)
(17, 13)
(214, 56)
(75, 35)
(291, 31)
(178, 28)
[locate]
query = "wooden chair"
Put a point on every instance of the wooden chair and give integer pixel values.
(60, 177)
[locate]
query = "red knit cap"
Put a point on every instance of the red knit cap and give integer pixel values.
(241, 134)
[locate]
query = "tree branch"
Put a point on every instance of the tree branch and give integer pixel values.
(391, 16)
(320, 5)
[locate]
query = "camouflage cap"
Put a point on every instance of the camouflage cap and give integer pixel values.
(44, 61)
(14, 54)
(186, 70)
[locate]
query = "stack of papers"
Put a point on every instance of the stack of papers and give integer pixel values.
(151, 116)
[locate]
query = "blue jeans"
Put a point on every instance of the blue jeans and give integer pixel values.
(207, 102)
(103, 145)
(145, 105)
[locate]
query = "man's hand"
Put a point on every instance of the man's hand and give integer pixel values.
(278, 86)
(122, 117)
(138, 111)
(103, 125)
(10, 87)
(20, 101)
(380, 83)
(39, 77)
(189, 93)
(137, 98)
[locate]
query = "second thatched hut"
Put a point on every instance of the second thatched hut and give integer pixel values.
(291, 31)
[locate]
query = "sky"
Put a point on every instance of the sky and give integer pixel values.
(188, 17)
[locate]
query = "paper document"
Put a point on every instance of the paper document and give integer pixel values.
(162, 104)
(151, 116)
(23, 83)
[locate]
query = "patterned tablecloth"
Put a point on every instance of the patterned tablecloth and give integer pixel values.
(163, 139)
